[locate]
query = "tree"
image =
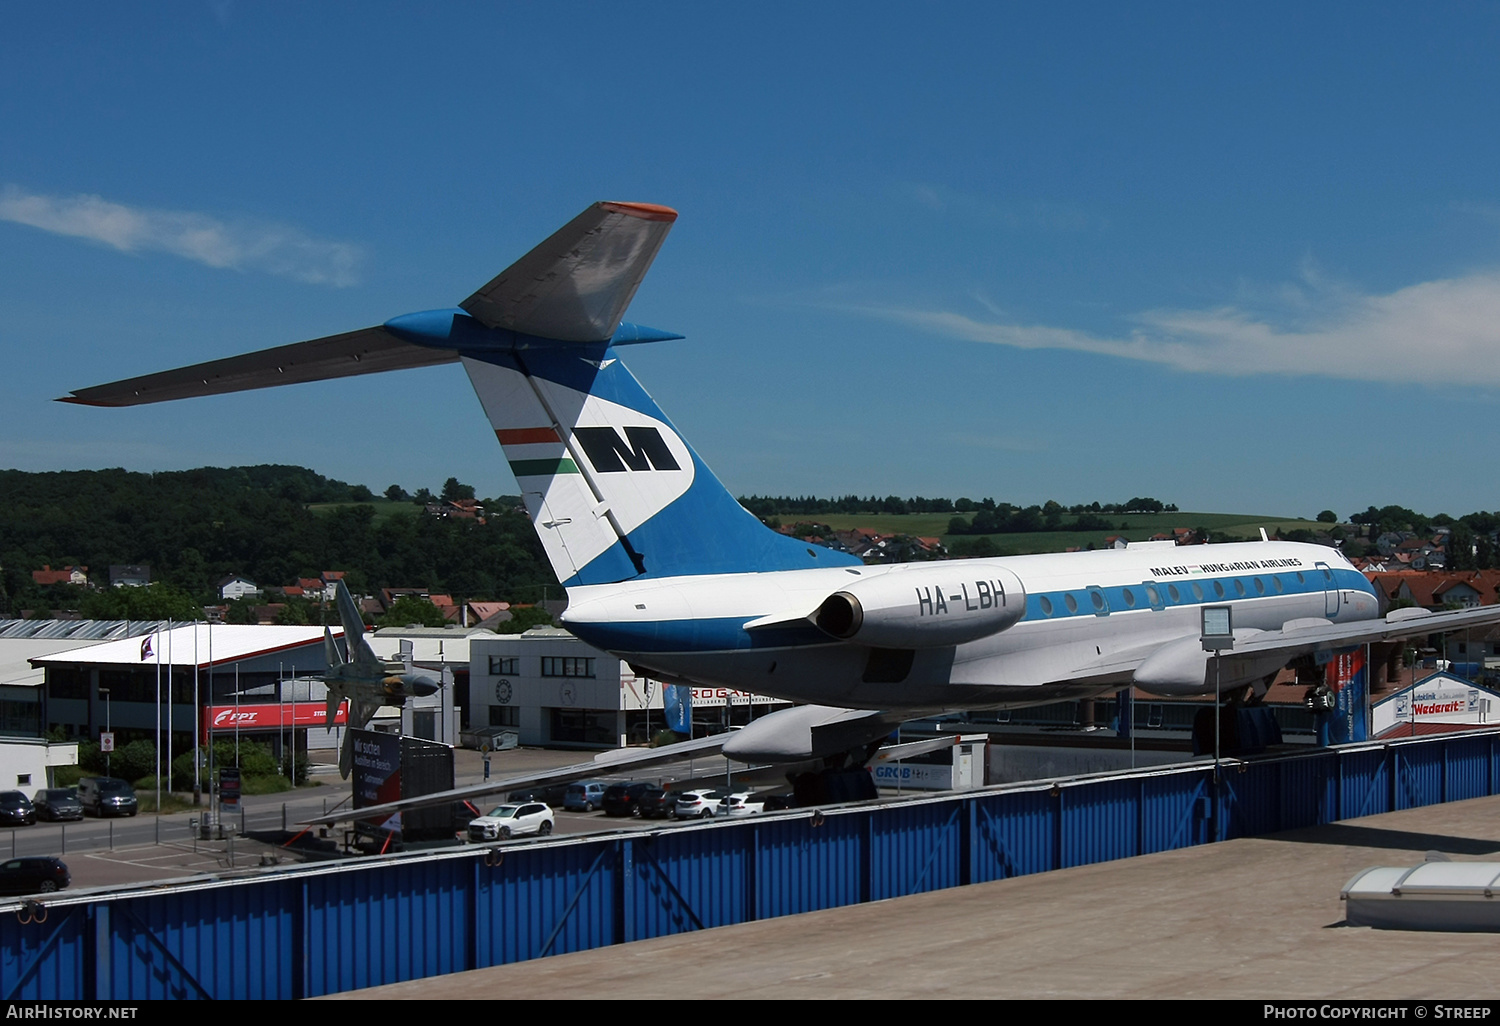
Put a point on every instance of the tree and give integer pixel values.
(397, 494)
(454, 489)
(523, 618)
(409, 609)
(1328, 516)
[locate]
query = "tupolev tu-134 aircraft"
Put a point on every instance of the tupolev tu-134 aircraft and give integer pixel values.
(665, 569)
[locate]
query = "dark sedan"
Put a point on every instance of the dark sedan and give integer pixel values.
(16, 809)
(34, 875)
(57, 803)
(624, 799)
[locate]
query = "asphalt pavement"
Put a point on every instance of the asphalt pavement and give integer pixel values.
(148, 848)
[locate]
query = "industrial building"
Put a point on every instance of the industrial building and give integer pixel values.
(554, 689)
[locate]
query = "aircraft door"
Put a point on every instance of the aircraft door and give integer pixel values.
(1330, 590)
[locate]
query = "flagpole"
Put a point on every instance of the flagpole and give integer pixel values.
(171, 683)
(197, 727)
(157, 653)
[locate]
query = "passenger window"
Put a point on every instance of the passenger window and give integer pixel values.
(1071, 601)
(1260, 586)
(1176, 595)
(1046, 605)
(1219, 589)
(1239, 586)
(1130, 598)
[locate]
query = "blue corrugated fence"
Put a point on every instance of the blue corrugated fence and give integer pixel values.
(328, 928)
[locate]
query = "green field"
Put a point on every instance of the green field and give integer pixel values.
(935, 525)
(1142, 526)
(384, 508)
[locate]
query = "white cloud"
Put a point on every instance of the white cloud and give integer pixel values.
(1437, 332)
(1013, 215)
(241, 245)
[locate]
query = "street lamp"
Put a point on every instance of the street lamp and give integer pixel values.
(1217, 635)
(108, 730)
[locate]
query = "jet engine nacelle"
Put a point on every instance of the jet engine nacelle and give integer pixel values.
(929, 605)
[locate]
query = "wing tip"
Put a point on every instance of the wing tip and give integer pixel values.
(644, 211)
(80, 401)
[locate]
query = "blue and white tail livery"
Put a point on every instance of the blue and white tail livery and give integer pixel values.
(664, 568)
(614, 491)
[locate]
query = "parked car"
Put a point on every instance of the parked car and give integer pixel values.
(107, 796)
(655, 803)
(584, 796)
(743, 803)
(699, 803)
(778, 802)
(35, 874)
(625, 799)
(16, 809)
(507, 821)
(57, 803)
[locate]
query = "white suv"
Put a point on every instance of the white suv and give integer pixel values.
(506, 821)
(743, 803)
(699, 803)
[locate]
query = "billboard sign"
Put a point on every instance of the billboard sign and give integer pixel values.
(377, 772)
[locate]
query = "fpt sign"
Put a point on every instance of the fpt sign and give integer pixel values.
(271, 717)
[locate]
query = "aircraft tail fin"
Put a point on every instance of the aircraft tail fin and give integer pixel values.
(613, 491)
(359, 649)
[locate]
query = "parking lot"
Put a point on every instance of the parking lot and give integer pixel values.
(148, 848)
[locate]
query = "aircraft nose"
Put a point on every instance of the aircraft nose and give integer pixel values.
(420, 684)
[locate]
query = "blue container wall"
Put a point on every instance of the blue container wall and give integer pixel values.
(326, 929)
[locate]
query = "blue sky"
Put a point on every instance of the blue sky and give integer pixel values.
(1238, 259)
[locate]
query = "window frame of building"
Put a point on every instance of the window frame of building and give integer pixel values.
(568, 666)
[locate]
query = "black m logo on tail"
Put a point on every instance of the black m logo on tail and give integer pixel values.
(642, 448)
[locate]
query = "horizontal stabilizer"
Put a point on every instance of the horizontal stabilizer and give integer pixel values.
(367, 351)
(576, 285)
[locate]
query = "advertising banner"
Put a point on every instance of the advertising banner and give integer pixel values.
(677, 701)
(272, 716)
(377, 773)
(1441, 698)
(1347, 676)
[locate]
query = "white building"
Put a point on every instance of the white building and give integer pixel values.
(556, 690)
(236, 587)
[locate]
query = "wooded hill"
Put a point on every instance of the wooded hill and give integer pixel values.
(195, 527)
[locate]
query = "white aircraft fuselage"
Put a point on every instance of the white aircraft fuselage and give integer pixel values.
(1078, 623)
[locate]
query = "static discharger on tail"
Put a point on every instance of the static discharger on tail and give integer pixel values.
(665, 569)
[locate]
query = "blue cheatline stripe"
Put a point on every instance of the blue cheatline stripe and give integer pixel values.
(717, 634)
(1312, 582)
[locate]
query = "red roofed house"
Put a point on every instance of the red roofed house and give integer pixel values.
(67, 575)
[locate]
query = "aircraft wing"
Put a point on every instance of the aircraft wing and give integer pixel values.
(367, 351)
(1307, 636)
(576, 285)
(625, 758)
